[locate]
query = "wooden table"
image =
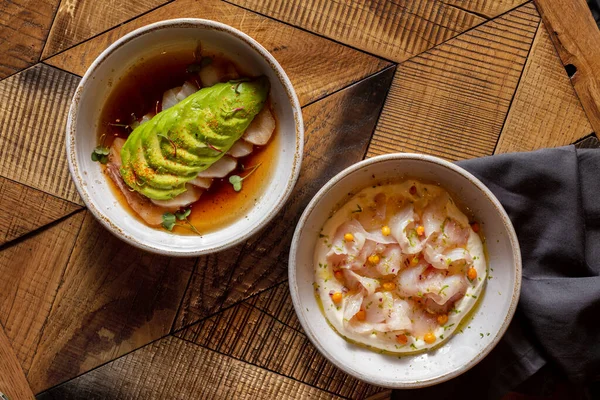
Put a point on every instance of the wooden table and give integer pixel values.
(83, 315)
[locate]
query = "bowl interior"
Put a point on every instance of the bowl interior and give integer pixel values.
(479, 334)
(106, 72)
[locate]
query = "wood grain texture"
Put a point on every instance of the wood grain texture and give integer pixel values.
(79, 20)
(577, 39)
(31, 272)
(24, 209)
(176, 369)
(337, 132)
(113, 298)
(260, 338)
(545, 111)
(395, 30)
(452, 101)
(312, 63)
(485, 8)
(12, 379)
(24, 25)
(33, 111)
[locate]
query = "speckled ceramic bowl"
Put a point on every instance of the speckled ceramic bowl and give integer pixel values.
(94, 89)
(492, 314)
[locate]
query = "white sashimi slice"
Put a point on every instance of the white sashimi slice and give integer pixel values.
(454, 234)
(352, 247)
(399, 316)
(446, 259)
(203, 183)
(261, 128)
(214, 73)
(191, 195)
(352, 305)
(369, 284)
(241, 148)
(403, 230)
(408, 281)
(378, 306)
(169, 98)
(149, 212)
(441, 288)
(115, 151)
(391, 260)
(186, 90)
(220, 169)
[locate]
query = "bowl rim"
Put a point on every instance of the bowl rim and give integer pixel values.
(293, 284)
(183, 23)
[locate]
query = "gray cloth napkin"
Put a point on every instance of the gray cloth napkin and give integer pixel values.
(552, 197)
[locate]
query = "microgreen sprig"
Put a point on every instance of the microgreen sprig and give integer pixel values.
(170, 220)
(236, 180)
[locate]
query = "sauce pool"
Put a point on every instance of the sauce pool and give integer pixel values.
(139, 92)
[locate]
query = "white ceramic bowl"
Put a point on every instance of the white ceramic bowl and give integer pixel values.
(95, 88)
(492, 316)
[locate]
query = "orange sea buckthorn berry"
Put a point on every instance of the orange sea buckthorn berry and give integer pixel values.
(386, 231)
(339, 275)
(388, 286)
(361, 315)
(442, 319)
(374, 259)
(402, 339)
(429, 338)
(348, 237)
(336, 297)
(472, 274)
(420, 230)
(475, 227)
(414, 261)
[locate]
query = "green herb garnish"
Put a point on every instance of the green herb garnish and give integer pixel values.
(441, 292)
(170, 220)
(236, 180)
(100, 154)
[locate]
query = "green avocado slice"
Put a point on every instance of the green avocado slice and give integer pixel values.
(163, 154)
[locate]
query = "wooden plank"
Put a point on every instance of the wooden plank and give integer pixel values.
(452, 100)
(24, 25)
(173, 368)
(79, 20)
(485, 8)
(312, 63)
(24, 209)
(33, 112)
(545, 111)
(577, 39)
(338, 129)
(248, 334)
(12, 379)
(113, 299)
(31, 272)
(395, 30)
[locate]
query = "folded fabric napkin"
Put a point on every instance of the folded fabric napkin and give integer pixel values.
(552, 197)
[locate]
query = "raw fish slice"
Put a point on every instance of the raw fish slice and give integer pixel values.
(357, 281)
(391, 260)
(403, 230)
(220, 169)
(441, 288)
(149, 212)
(378, 307)
(169, 98)
(446, 259)
(186, 90)
(454, 234)
(261, 128)
(408, 281)
(372, 217)
(432, 307)
(352, 305)
(399, 316)
(191, 195)
(115, 151)
(203, 183)
(353, 247)
(241, 148)
(217, 72)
